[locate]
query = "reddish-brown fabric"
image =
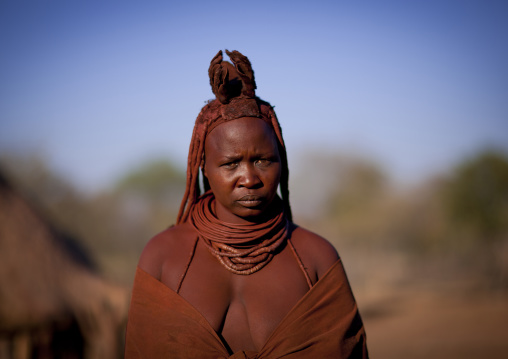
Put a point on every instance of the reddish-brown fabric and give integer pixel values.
(324, 324)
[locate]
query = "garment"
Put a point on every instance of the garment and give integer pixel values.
(325, 323)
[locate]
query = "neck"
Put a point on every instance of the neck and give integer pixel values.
(241, 247)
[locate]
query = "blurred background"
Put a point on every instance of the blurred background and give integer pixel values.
(395, 117)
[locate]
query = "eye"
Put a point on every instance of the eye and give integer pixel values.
(230, 165)
(263, 162)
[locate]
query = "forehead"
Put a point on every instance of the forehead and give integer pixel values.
(243, 134)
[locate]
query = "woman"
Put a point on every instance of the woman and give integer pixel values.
(235, 278)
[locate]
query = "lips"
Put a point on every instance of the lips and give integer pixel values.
(250, 201)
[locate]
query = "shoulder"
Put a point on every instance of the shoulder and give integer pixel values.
(170, 246)
(317, 253)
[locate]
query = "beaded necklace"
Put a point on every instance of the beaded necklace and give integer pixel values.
(241, 248)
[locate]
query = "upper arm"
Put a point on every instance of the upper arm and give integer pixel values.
(325, 255)
(166, 251)
(152, 257)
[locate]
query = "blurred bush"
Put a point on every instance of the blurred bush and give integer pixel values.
(459, 219)
(477, 196)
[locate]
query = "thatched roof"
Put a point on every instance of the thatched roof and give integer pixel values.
(44, 277)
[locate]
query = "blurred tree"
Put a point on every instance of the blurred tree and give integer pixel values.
(358, 184)
(357, 203)
(458, 222)
(149, 197)
(476, 203)
(154, 180)
(477, 195)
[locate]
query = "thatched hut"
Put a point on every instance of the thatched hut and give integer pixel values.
(52, 304)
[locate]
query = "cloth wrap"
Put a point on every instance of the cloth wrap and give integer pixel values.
(325, 323)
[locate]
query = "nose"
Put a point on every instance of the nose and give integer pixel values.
(249, 177)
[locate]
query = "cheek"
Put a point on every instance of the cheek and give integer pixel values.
(216, 178)
(274, 176)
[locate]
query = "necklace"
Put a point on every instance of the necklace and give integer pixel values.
(241, 248)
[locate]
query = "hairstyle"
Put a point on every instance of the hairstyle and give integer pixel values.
(234, 87)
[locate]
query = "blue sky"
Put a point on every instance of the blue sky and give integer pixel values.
(98, 86)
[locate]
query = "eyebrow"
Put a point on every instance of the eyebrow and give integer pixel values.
(230, 157)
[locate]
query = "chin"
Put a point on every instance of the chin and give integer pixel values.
(253, 214)
(250, 213)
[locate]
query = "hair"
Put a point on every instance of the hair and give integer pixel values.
(234, 88)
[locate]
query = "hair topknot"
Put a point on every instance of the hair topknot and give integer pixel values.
(234, 88)
(228, 81)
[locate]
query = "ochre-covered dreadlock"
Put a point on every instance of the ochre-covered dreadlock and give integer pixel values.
(234, 87)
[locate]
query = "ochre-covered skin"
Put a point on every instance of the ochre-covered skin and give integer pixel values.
(323, 324)
(221, 283)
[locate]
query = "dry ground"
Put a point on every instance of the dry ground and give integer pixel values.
(428, 325)
(410, 315)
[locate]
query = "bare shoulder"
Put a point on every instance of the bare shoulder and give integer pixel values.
(317, 253)
(170, 246)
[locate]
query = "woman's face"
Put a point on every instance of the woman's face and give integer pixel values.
(242, 164)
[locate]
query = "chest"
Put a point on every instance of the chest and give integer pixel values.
(243, 310)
